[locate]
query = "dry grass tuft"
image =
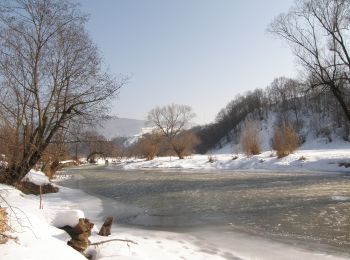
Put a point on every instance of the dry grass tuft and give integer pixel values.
(285, 140)
(250, 138)
(3, 225)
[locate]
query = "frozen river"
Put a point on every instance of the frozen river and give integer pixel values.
(308, 209)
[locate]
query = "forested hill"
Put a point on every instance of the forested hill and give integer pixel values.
(313, 113)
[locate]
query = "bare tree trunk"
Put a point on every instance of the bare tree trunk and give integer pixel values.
(339, 96)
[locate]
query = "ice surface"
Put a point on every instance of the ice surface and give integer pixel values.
(38, 239)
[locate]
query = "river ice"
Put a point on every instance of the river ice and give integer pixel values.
(237, 213)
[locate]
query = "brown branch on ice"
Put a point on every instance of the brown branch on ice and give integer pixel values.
(111, 240)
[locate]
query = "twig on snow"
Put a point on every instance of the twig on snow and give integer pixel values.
(111, 240)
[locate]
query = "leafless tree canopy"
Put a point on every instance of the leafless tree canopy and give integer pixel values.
(171, 120)
(50, 74)
(318, 33)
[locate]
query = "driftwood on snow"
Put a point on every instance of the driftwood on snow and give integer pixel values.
(111, 240)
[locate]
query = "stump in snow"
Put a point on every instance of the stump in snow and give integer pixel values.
(80, 234)
(106, 227)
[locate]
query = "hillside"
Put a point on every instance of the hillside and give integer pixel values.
(311, 138)
(320, 151)
(314, 114)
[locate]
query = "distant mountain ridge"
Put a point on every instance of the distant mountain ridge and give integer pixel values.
(116, 127)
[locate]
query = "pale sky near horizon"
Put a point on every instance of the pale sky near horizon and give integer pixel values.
(200, 53)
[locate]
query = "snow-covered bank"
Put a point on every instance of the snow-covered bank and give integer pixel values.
(322, 160)
(327, 152)
(315, 155)
(38, 238)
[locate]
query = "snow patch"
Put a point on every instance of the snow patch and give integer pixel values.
(36, 177)
(321, 160)
(340, 198)
(63, 218)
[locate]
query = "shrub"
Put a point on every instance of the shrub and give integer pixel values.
(211, 159)
(183, 144)
(250, 138)
(148, 145)
(285, 140)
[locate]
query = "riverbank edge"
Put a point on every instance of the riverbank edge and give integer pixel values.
(149, 241)
(326, 160)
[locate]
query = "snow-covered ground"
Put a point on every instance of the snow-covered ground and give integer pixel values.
(39, 238)
(304, 159)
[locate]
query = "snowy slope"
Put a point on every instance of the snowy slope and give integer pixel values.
(333, 140)
(315, 154)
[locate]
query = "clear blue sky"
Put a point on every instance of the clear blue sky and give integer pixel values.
(200, 53)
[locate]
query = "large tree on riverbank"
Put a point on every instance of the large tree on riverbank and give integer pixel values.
(318, 34)
(171, 121)
(50, 74)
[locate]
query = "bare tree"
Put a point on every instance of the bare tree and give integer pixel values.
(55, 152)
(50, 74)
(318, 33)
(171, 120)
(286, 94)
(97, 145)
